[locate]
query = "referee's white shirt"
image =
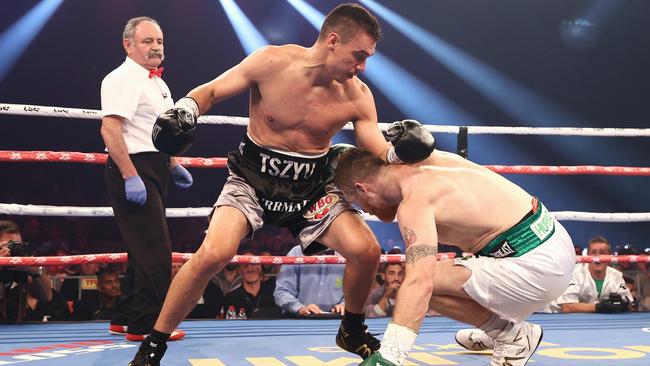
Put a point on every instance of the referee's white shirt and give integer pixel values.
(128, 92)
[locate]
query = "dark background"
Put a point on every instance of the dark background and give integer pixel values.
(597, 78)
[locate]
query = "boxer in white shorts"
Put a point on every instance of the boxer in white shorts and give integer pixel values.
(524, 257)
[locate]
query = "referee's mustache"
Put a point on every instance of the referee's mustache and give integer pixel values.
(156, 54)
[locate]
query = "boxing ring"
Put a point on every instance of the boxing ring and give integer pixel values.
(569, 339)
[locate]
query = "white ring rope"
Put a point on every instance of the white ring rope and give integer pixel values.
(75, 211)
(41, 210)
(46, 111)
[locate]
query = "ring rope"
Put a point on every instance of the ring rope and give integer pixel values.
(96, 158)
(100, 158)
(254, 259)
(48, 111)
(184, 257)
(45, 210)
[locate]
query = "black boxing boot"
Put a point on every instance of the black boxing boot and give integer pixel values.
(353, 336)
(150, 353)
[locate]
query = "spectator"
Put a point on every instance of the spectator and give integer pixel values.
(99, 305)
(254, 295)
(270, 270)
(595, 287)
(228, 278)
(71, 287)
(309, 289)
(27, 291)
(381, 301)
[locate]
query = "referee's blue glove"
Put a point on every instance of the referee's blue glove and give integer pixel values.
(182, 178)
(135, 190)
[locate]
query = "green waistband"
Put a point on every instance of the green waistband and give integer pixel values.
(523, 237)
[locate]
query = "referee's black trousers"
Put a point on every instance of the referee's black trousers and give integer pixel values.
(145, 233)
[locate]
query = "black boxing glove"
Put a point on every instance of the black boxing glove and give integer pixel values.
(615, 303)
(411, 142)
(170, 134)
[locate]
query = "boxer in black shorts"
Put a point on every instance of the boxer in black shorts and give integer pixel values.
(299, 99)
(284, 189)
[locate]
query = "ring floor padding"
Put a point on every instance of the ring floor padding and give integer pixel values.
(569, 339)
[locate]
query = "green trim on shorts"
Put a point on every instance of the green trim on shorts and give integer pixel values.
(523, 237)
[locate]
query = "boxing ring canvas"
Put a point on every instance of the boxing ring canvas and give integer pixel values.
(569, 339)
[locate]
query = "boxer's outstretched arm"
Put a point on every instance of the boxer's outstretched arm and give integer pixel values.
(240, 78)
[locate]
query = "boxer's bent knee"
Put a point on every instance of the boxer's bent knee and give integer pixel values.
(364, 251)
(211, 257)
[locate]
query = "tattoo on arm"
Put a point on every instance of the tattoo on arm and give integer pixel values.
(416, 252)
(409, 235)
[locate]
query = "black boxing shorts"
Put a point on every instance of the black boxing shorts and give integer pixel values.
(285, 189)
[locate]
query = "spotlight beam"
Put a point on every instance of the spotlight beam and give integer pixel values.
(250, 38)
(15, 40)
(511, 96)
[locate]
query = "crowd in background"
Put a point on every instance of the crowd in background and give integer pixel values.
(89, 291)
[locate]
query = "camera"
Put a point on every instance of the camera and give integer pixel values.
(20, 248)
(16, 249)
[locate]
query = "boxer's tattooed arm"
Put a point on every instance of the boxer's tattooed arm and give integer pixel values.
(415, 252)
(418, 251)
(409, 235)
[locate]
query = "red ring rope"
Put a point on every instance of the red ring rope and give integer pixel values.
(96, 158)
(244, 259)
(183, 257)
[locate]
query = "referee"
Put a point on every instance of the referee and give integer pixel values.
(137, 176)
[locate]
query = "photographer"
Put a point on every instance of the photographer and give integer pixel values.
(25, 292)
(595, 287)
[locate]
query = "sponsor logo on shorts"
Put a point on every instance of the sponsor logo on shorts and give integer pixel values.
(322, 207)
(279, 206)
(543, 226)
(505, 250)
(284, 168)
